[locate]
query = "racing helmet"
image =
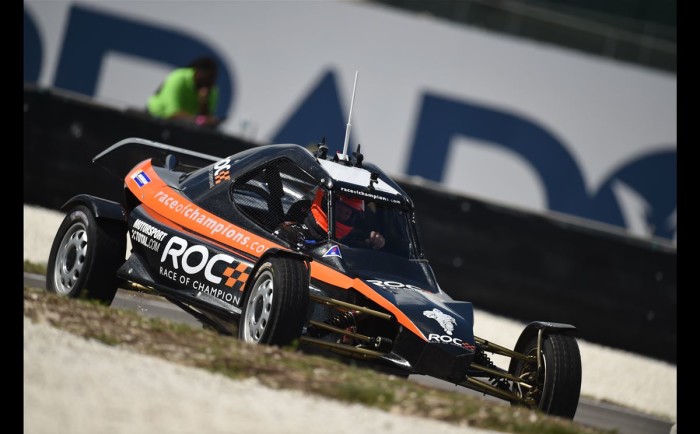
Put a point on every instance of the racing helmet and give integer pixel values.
(353, 208)
(352, 202)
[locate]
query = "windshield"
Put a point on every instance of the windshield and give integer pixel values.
(356, 219)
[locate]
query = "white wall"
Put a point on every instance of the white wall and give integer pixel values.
(604, 113)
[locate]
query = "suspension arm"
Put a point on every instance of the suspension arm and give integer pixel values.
(340, 331)
(503, 351)
(334, 302)
(488, 389)
(500, 373)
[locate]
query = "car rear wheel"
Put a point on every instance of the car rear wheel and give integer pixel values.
(85, 255)
(558, 386)
(275, 305)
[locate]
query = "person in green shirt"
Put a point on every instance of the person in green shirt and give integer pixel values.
(188, 94)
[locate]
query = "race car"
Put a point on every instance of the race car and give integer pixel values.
(229, 240)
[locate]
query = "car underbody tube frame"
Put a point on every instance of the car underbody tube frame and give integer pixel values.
(480, 386)
(497, 349)
(331, 301)
(343, 348)
(333, 329)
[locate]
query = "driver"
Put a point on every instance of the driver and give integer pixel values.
(348, 210)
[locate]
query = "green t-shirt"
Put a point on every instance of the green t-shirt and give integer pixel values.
(177, 93)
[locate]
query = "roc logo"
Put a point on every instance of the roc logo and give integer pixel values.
(224, 175)
(195, 258)
(237, 275)
(445, 321)
(442, 339)
(221, 171)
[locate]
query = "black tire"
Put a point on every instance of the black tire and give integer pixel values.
(274, 308)
(559, 387)
(85, 255)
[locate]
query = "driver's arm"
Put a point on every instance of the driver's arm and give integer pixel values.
(375, 240)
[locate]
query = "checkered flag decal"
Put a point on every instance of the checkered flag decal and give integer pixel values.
(236, 277)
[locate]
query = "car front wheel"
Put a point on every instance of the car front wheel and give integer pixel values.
(558, 386)
(275, 305)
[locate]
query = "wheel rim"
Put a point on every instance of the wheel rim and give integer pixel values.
(528, 373)
(258, 308)
(70, 259)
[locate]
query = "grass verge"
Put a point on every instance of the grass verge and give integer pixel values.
(283, 367)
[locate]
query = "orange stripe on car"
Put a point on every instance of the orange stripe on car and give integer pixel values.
(326, 274)
(175, 227)
(166, 201)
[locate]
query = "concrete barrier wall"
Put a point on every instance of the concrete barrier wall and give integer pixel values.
(523, 123)
(617, 290)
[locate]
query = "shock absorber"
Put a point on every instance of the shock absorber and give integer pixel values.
(345, 321)
(342, 320)
(380, 343)
(482, 359)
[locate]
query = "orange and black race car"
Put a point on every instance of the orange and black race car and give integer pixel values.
(279, 244)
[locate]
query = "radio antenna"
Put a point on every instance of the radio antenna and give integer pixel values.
(347, 130)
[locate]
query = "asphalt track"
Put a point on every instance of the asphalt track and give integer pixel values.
(590, 412)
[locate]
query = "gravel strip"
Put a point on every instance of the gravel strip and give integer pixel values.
(74, 385)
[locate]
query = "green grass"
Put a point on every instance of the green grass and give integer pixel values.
(32, 267)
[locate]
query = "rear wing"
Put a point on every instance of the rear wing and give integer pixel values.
(122, 156)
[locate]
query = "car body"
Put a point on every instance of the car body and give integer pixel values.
(226, 239)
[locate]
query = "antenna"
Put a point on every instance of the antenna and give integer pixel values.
(347, 130)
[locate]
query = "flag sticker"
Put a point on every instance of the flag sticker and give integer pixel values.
(333, 251)
(141, 178)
